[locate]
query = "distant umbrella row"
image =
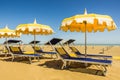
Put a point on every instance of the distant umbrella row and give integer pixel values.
(33, 28)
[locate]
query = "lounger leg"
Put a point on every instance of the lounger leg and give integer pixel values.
(64, 65)
(103, 68)
(30, 61)
(69, 63)
(5, 54)
(104, 71)
(13, 58)
(38, 58)
(56, 55)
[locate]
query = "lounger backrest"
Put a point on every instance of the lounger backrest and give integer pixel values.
(37, 48)
(62, 53)
(15, 50)
(6, 50)
(75, 50)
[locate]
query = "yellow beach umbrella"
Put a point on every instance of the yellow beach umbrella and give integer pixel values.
(8, 33)
(88, 23)
(34, 29)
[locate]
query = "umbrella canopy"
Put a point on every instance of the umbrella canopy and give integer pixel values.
(34, 29)
(6, 33)
(92, 22)
(88, 23)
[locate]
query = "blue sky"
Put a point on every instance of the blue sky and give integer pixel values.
(52, 12)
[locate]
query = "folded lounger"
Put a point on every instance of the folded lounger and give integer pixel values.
(76, 51)
(17, 52)
(65, 57)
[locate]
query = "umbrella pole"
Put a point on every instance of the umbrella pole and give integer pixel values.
(34, 42)
(85, 39)
(7, 47)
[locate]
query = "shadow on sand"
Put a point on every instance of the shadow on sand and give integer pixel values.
(74, 67)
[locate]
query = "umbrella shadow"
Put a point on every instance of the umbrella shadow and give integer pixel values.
(74, 67)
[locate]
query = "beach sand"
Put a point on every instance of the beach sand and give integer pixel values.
(49, 69)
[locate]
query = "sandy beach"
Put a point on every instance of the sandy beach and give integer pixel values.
(91, 26)
(49, 69)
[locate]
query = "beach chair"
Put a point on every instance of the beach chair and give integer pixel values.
(66, 58)
(77, 52)
(52, 42)
(17, 52)
(8, 42)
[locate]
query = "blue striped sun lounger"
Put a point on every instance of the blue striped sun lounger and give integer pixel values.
(17, 52)
(77, 52)
(66, 57)
(51, 42)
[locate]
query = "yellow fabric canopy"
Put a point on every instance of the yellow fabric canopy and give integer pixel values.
(6, 33)
(94, 22)
(34, 29)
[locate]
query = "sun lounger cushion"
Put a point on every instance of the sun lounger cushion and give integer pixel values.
(28, 52)
(5, 51)
(62, 51)
(14, 49)
(39, 50)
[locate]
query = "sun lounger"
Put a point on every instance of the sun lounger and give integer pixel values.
(52, 42)
(38, 49)
(8, 42)
(77, 52)
(17, 52)
(65, 57)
